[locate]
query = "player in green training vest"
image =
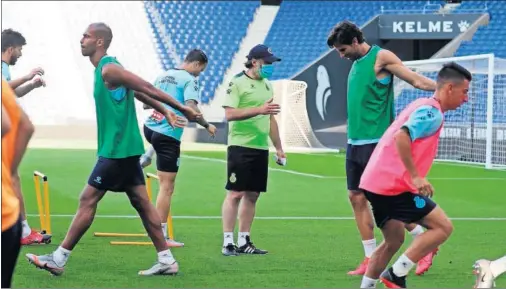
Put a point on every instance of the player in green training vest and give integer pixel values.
(370, 103)
(250, 113)
(119, 148)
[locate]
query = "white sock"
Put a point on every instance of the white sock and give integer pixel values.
(228, 238)
(60, 256)
(164, 229)
(368, 282)
(241, 241)
(416, 231)
(150, 152)
(26, 229)
(166, 257)
(402, 266)
(369, 247)
(498, 266)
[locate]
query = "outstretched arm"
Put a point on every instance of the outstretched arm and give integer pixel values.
(390, 62)
(118, 76)
(193, 104)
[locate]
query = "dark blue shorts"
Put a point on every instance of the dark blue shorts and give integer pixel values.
(117, 175)
(357, 157)
(406, 207)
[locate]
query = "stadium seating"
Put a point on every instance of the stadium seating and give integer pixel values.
(217, 27)
(300, 29)
(488, 39)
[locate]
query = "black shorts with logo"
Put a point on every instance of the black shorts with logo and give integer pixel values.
(168, 150)
(357, 157)
(406, 207)
(247, 169)
(117, 175)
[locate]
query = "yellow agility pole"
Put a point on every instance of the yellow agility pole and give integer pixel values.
(44, 210)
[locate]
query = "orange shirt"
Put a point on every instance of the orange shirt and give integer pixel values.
(10, 202)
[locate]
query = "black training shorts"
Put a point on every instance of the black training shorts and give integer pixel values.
(247, 169)
(168, 150)
(117, 175)
(357, 157)
(406, 207)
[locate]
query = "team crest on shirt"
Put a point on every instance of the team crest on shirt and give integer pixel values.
(232, 178)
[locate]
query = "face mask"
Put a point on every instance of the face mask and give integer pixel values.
(266, 70)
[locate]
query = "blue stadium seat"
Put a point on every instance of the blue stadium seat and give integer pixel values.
(300, 30)
(217, 27)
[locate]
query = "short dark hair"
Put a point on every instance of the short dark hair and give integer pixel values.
(11, 38)
(454, 72)
(196, 55)
(103, 30)
(343, 34)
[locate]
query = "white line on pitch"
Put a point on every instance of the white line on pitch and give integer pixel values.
(272, 169)
(257, 218)
(332, 177)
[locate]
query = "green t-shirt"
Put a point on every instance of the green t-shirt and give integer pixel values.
(117, 126)
(245, 92)
(370, 102)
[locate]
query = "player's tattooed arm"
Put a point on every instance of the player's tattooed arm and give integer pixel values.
(118, 76)
(403, 144)
(390, 62)
(193, 104)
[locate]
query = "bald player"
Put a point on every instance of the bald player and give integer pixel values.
(119, 146)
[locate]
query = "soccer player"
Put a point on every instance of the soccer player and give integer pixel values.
(182, 83)
(250, 112)
(16, 133)
(487, 271)
(401, 161)
(119, 147)
(12, 45)
(371, 110)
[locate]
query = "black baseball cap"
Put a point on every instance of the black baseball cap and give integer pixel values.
(262, 52)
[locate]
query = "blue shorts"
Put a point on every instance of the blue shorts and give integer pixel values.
(357, 157)
(117, 175)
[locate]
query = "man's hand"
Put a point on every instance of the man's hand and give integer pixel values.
(270, 108)
(211, 129)
(38, 82)
(190, 113)
(174, 120)
(36, 71)
(280, 157)
(423, 186)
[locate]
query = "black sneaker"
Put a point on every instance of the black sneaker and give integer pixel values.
(229, 250)
(249, 248)
(391, 280)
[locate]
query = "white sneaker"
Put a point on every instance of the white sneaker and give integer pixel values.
(145, 161)
(484, 276)
(45, 262)
(161, 269)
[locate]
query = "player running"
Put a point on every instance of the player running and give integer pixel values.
(370, 111)
(183, 85)
(12, 45)
(17, 130)
(487, 271)
(401, 161)
(119, 147)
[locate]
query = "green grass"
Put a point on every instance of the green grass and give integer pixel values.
(302, 253)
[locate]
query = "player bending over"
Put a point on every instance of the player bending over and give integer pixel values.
(487, 272)
(12, 45)
(370, 112)
(166, 141)
(119, 146)
(401, 161)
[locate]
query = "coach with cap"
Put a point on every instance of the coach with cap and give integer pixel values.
(250, 111)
